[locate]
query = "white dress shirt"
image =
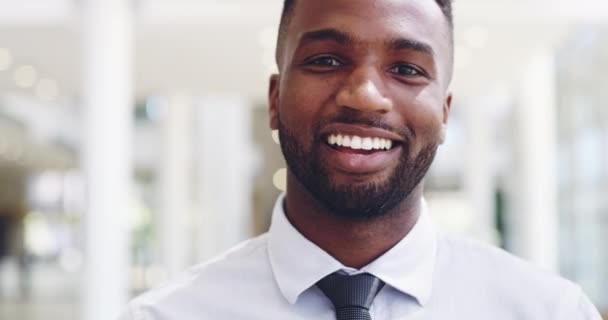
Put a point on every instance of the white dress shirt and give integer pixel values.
(428, 276)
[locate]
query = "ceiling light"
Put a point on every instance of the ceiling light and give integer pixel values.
(25, 76)
(280, 179)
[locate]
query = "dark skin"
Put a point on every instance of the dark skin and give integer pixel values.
(388, 57)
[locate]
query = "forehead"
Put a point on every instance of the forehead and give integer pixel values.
(372, 20)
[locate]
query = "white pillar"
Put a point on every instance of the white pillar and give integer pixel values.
(108, 108)
(534, 222)
(224, 143)
(479, 180)
(176, 185)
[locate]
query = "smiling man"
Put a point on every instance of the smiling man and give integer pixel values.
(361, 103)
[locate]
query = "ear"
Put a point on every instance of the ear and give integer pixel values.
(273, 101)
(447, 106)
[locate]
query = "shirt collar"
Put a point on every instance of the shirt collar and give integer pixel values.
(298, 264)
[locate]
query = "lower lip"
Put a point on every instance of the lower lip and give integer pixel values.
(359, 163)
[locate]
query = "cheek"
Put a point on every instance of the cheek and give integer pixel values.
(302, 103)
(424, 115)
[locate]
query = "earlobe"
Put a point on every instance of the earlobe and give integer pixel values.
(442, 133)
(273, 101)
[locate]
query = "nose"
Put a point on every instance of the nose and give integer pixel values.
(362, 91)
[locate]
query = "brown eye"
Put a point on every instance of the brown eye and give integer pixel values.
(326, 62)
(405, 70)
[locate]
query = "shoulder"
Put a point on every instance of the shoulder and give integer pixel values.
(242, 267)
(504, 280)
(494, 264)
(250, 256)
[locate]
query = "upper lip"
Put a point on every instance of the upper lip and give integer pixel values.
(360, 130)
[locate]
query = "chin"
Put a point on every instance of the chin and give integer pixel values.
(341, 179)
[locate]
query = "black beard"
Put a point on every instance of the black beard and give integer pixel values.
(360, 201)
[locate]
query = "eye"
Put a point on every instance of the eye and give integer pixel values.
(406, 70)
(325, 62)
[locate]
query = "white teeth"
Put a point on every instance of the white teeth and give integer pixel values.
(339, 140)
(346, 141)
(332, 139)
(376, 143)
(367, 144)
(356, 142)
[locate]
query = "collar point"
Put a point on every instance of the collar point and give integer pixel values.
(291, 299)
(423, 299)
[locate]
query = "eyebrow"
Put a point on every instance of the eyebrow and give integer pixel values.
(334, 35)
(409, 44)
(344, 38)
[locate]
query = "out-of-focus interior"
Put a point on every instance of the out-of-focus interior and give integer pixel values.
(134, 142)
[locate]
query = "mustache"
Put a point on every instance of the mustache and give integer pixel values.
(375, 120)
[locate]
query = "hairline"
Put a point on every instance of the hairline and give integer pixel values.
(289, 8)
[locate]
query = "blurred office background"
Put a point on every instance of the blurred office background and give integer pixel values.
(134, 142)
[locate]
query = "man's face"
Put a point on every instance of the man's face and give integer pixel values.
(361, 102)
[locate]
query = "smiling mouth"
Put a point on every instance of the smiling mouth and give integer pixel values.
(360, 145)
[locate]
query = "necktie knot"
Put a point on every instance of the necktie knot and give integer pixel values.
(352, 296)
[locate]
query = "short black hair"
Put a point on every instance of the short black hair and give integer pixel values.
(289, 5)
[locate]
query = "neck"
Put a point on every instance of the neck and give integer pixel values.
(353, 242)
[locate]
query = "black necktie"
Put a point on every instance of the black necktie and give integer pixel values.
(351, 295)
